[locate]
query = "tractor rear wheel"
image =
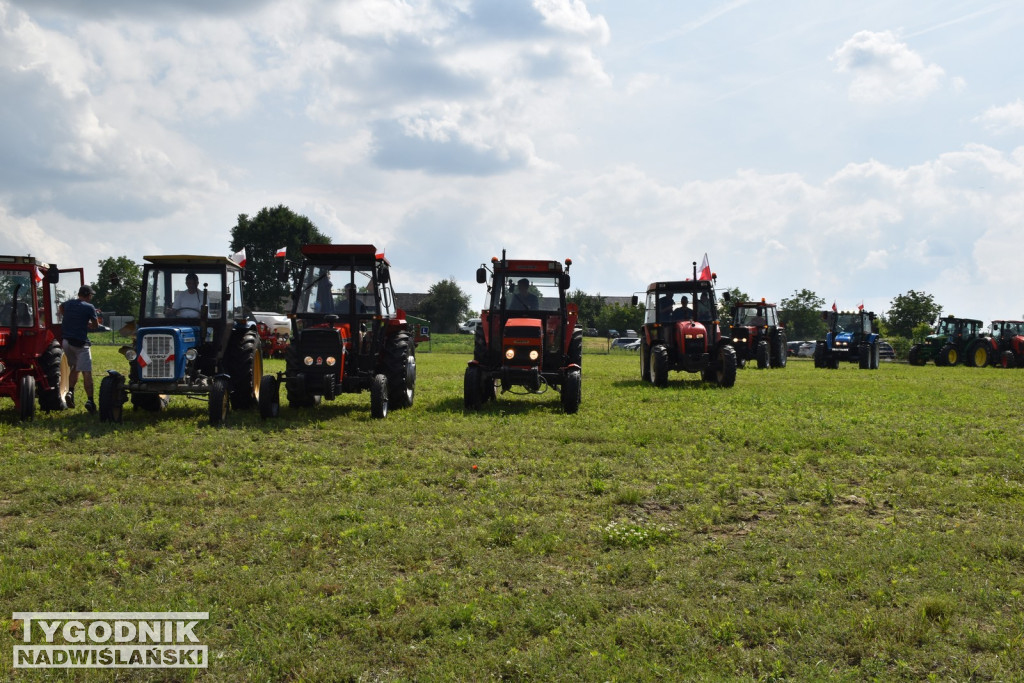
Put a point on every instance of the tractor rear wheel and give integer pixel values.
(111, 398)
(379, 396)
(780, 353)
(49, 363)
(645, 361)
(725, 372)
(244, 363)
(763, 360)
(876, 355)
(659, 366)
(572, 391)
(400, 363)
(479, 345)
(914, 356)
(1007, 359)
(819, 355)
(949, 355)
(472, 388)
(220, 393)
(27, 397)
(979, 356)
(270, 397)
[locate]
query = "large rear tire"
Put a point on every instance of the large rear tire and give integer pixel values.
(819, 355)
(219, 403)
(876, 355)
(659, 366)
(980, 355)
(725, 372)
(27, 397)
(645, 361)
(780, 352)
(49, 363)
(379, 396)
(400, 362)
(864, 356)
(572, 392)
(244, 363)
(576, 347)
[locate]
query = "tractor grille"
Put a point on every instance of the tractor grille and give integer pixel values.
(158, 356)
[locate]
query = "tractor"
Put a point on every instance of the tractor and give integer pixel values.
(851, 337)
(30, 333)
(757, 335)
(682, 332)
(948, 344)
(348, 335)
(528, 339)
(274, 330)
(1002, 346)
(190, 342)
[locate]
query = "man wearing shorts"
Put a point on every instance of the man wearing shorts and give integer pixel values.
(79, 316)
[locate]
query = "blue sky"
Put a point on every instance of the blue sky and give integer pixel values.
(859, 150)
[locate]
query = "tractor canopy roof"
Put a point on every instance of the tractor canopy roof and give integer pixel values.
(8, 261)
(528, 266)
(192, 260)
(332, 253)
(953, 318)
(753, 304)
(681, 286)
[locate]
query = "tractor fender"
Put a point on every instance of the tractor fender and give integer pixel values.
(114, 373)
(572, 366)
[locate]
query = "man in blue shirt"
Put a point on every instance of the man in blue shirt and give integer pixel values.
(78, 317)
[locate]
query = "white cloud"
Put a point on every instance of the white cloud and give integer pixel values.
(884, 69)
(1006, 118)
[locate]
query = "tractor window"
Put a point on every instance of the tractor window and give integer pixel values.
(180, 291)
(16, 298)
(235, 310)
(532, 293)
(340, 290)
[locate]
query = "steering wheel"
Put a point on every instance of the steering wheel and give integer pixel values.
(177, 311)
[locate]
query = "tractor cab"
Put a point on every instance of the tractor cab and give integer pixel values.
(30, 331)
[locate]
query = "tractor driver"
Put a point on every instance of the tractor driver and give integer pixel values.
(665, 304)
(683, 312)
(350, 299)
(523, 299)
(187, 304)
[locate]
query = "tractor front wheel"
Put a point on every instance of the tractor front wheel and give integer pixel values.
(270, 397)
(659, 366)
(400, 361)
(572, 392)
(949, 355)
(1008, 360)
(379, 396)
(218, 401)
(49, 363)
(245, 365)
(151, 402)
(864, 356)
(763, 360)
(27, 397)
(725, 372)
(111, 398)
(471, 388)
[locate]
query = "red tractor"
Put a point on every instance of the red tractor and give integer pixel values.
(1003, 346)
(274, 329)
(347, 334)
(682, 332)
(528, 336)
(757, 335)
(30, 333)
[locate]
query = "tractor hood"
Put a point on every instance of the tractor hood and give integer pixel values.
(844, 338)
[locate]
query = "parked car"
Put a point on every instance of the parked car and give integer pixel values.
(612, 334)
(806, 350)
(631, 333)
(590, 332)
(627, 343)
(469, 327)
(793, 347)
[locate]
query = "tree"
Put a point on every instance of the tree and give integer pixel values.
(261, 236)
(117, 286)
(445, 305)
(621, 318)
(801, 314)
(589, 306)
(909, 310)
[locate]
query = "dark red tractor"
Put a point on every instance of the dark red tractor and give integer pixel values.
(30, 332)
(528, 338)
(348, 335)
(1002, 346)
(757, 335)
(682, 332)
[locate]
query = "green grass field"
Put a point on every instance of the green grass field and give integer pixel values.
(806, 525)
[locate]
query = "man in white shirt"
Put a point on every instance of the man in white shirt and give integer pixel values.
(187, 304)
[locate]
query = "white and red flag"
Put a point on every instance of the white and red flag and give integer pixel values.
(834, 307)
(860, 306)
(37, 274)
(281, 253)
(705, 269)
(239, 257)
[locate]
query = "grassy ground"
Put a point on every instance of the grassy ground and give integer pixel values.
(806, 524)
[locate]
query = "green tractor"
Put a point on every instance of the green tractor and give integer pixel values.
(948, 344)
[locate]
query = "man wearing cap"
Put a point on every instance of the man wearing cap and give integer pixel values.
(78, 317)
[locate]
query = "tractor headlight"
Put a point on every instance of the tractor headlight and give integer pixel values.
(510, 354)
(534, 355)
(308, 360)
(331, 360)
(191, 354)
(131, 355)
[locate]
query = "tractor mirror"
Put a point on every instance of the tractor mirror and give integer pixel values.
(726, 296)
(635, 300)
(52, 274)
(384, 276)
(565, 281)
(282, 274)
(481, 275)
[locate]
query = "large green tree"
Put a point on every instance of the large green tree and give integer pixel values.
(909, 310)
(736, 295)
(261, 236)
(446, 304)
(589, 306)
(620, 318)
(801, 314)
(117, 286)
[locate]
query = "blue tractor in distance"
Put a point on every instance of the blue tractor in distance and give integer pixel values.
(192, 338)
(851, 337)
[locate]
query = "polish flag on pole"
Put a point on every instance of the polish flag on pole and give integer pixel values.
(705, 269)
(860, 307)
(239, 257)
(834, 307)
(281, 253)
(37, 274)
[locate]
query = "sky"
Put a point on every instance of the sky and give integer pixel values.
(858, 150)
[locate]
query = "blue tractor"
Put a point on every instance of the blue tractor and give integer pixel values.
(192, 338)
(851, 337)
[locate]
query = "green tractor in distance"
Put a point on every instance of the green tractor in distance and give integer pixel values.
(948, 344)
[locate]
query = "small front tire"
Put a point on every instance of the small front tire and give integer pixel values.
(572, 393)
(270, 397)
(379, 397)
(219, 403)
